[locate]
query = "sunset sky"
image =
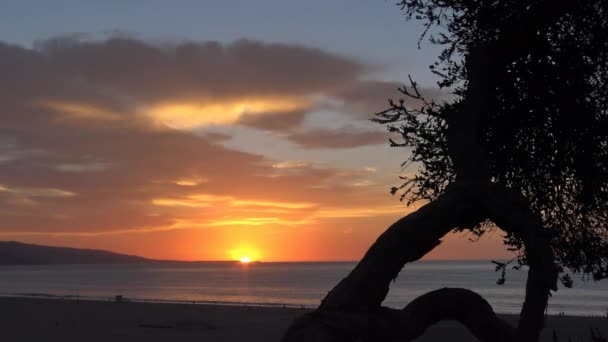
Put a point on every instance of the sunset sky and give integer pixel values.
(206, 130)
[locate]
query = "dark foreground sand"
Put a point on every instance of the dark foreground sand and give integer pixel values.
(38, 319)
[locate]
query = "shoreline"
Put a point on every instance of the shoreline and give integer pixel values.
(77, 319)
(124, 299)
(154, 300)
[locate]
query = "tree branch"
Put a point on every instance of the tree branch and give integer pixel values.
(405, 241)
(462, 305)
(385, 324)
(511, 212)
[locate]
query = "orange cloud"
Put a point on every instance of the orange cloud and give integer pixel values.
(354, 212)
(192, 115)
(282, 205)
(192, 201)
(190, 181)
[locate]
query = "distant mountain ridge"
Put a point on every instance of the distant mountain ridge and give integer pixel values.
(17, 253)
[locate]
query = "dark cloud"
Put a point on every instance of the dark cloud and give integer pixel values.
(242, 68)
(367, 97)
(345, 137)
(368, 94)
(279, 122)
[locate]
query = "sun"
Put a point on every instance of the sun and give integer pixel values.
(245, 260)
(245, 254)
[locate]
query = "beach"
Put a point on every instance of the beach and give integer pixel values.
(36, 319)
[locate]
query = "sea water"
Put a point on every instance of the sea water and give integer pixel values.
(300, 284)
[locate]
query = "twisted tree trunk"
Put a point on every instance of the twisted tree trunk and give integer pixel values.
(353, 308)
(352, 311)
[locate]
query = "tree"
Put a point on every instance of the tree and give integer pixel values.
(524, 146)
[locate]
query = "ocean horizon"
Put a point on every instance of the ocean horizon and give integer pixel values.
(300, 284)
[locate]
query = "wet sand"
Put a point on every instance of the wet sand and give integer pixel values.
(41, 319)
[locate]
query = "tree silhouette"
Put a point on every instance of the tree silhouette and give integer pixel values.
(523, 147)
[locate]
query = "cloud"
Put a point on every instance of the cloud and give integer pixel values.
(356, 102)
(182, 85)
(88, 146)
(201, 69)
(272, 87)
(271, 204)
(35, 192)
(279, 122)
(192, 115)
(364, 98)
(290, 165)
(194, 181)
(346, 137)
(81, 166)
(369, 95)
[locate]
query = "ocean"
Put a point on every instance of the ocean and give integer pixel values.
(289, 284)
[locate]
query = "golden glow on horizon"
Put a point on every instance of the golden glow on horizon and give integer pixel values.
(168, 201)
(296, 226)
(191, 115)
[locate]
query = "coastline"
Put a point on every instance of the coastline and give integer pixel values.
(154, 300)
(218, 303)
(32, 318)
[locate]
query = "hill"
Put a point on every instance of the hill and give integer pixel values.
(17, 253)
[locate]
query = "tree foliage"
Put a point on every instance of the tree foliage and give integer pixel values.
(546, 132)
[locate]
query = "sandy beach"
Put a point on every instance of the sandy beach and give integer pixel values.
(35, 319)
